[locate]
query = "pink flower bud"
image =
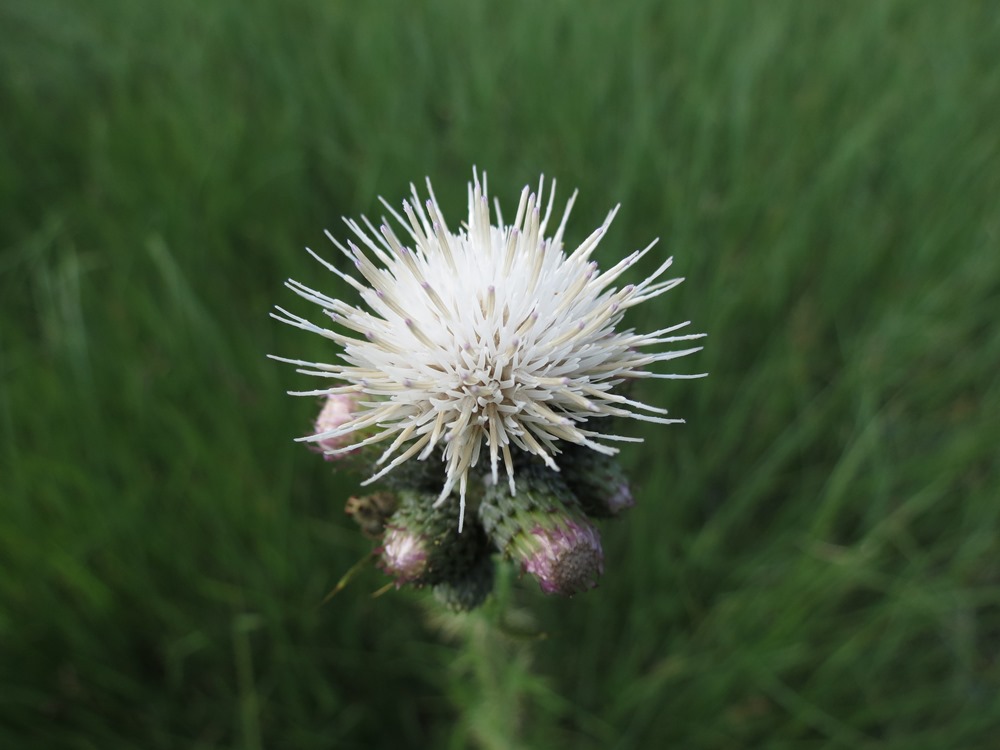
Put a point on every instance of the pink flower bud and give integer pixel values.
(620, 499)
(336, 411)
(566, 558)
(422, 546)
(543, 529)
(404, 554)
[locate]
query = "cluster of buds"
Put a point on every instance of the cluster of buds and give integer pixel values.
(545, 526)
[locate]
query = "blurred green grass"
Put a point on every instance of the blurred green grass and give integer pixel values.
(813, 562)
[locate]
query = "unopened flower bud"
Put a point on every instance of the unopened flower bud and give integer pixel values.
(339, 410)
(542, 528)
(620, 498)
(405, 553)
(567, 558)
(597, 481)
(336, 411)
(422, 545)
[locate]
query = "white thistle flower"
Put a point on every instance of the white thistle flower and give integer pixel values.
(489, 336)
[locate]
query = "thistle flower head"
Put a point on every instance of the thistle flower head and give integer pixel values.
(485, 341)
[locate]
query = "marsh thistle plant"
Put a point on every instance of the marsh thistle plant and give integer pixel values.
(478, 373)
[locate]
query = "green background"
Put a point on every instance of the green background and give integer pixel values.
(814, 558)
